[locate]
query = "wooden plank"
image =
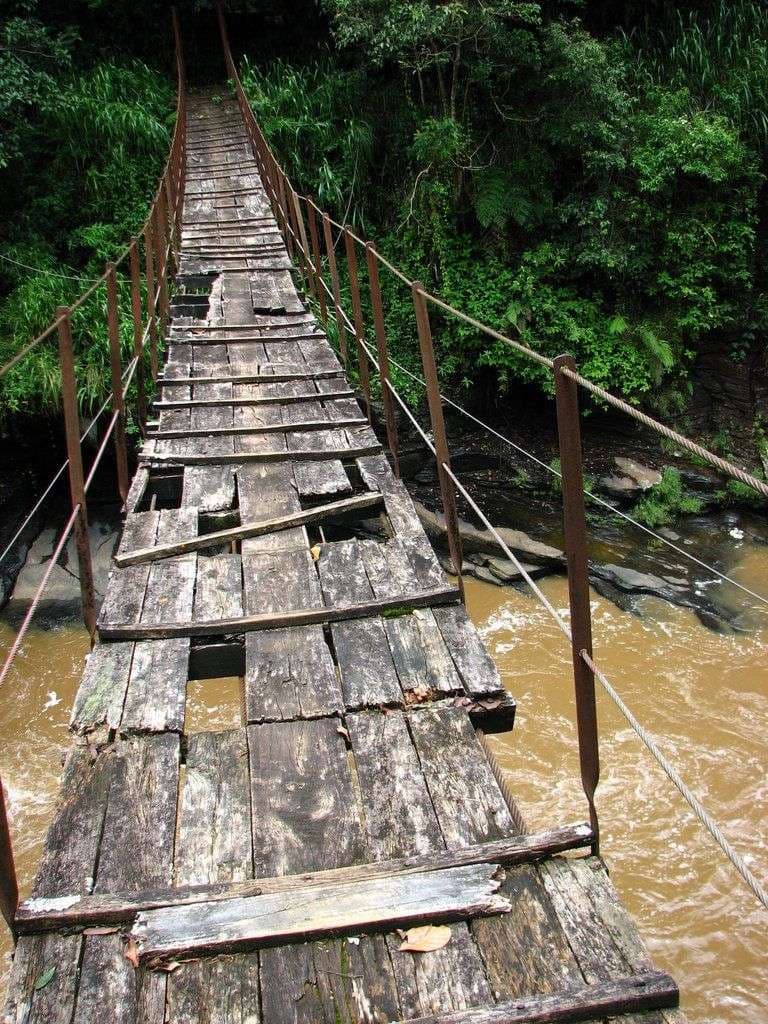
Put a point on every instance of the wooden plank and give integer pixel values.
(280, 583)
(157, 687)
(136, 849)
(319, 454)
(124, 597)
(368, 675)
(289, 673)
(342, 574)
(299, 399)
(214, 834)
(268, 377)
(101, 695)
(388, 567)
(277, 620)
(218, 587)
(305, 816)
(318, 479)
(398, 812)
(33, 958)
(651, 990)
(421, 658)
(171, 584)
(224, 990)
(467, 799)
(112, 991)
(267, 428)
(209, 488)
(272, 920)
(470, 655)
(251, 529)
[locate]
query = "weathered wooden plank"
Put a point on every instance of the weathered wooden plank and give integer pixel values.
(342, 574)
(271, 920)
(321, 453)
(275, 620)
(124, 597)
(269, 376)
(171, 584)
(219, 587)
(280, 582)
(214, 835)
(470, 655)
(137, 843)
(209, 488)
(218, 990)
(251, 400)
(256, 528)
(648, 991)
(101, 695)
(240, 430)
(305, 816)
(398, 813)
(388, 567)
(318, 479)
(157, 687)
(289, 673)
(467, 799)
(421, 658)
(112, 991)
(34, 958)
(368, 675)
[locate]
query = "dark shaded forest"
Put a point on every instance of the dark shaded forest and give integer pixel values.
(585, 176)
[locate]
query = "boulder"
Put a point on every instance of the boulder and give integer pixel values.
(644, 476)
(473, 540)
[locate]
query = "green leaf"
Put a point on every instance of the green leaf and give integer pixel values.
(45, 978)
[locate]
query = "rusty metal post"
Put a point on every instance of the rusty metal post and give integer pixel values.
(161, 261)
(283, 204)
(76, 478)
(118, 398)
(138, 333)
(318, 262)
(149, 265)
(575, 533)
(331, 252)
(447, 490)
(357, 316)
(170, 215)
(306, 257)
(381, 348)
(9, 889)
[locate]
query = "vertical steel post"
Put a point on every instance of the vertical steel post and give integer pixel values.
(318, 261)
(9, 889)
(170, 216)
(118, 398)
(283, 203)
(149, 264)
(76, 478)
(161, 260)
(335, 287)
(447, 489)
(138, 333)
(357, 316)
(306, 257)
(575, 533)
(381, 349)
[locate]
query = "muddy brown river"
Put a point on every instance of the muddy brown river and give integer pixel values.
(704, 696)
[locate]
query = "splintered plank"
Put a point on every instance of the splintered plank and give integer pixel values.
(34, 958)
(157, 686)
(209, 488)
(342, 574)
(223, 989)
(318, 479)
(368, 676)
(220, 927)
(478, 672)
(467, 799)
(289, 673)
(399, 817)
(305, 815)
(219, 587)
(137, 844)
(420, 655)
(214, 835)
(101, 695)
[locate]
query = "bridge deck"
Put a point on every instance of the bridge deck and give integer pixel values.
(182, 877)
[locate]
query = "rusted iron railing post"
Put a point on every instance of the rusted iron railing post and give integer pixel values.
(149, 269)
(575, 533)
(161, 260)
(383, 354)
(118, 398)
(318, 261)
(138, 334)
(357, 317)
(306, 256)
(75, 456)
(434, 401)
(283, 204)
(331, 252)
(9, 888)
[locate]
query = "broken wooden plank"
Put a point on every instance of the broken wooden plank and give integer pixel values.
(251, 529)
(318, 479)
(368, 676)
(212, 928)
(209, 488)
(300, 617)
(101, 695)
(651, 990)
(321, 454)
(157, 687)
(289, 674)
(470, 655)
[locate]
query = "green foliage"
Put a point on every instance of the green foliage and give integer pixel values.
(665, 501)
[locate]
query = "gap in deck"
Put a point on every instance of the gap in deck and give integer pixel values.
(214, 704)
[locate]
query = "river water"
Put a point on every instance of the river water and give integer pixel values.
(704, 695)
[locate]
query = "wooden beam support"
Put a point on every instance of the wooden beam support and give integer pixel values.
(35, 915)
(188, 339)
(214, 403)
(235, 458)
(264, 428)
(300, 617)
(247, 378)
(376, 904)
(252, 529)
(634, 993)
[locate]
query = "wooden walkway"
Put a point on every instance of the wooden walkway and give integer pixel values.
(264, 874)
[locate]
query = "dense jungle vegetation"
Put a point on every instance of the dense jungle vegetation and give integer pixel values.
(590, 176)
